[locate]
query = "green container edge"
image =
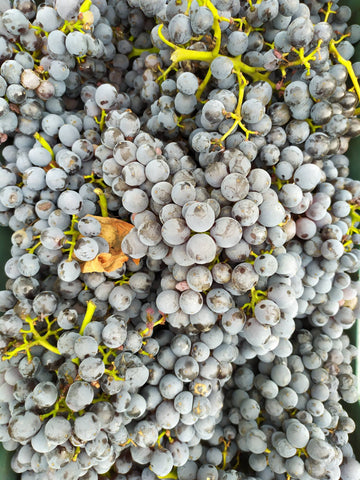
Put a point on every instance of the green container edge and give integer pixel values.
(6, 473)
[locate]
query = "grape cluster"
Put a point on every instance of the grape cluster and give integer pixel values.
(185, 247)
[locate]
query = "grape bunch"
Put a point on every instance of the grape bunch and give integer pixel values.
(185, 239)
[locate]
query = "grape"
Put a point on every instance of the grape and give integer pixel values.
(134, 174)
(221, 67)
(44, 394)
(168, 301)
(219, 300)
(300, 32)
(350, 468)
(28, 265)
(199, 216)
(87, 426)
(180, 29)
(234, 187)
(201, 20)
(125, 152)
(121, 297)
(11, 196)
(226, 232)
(267, 312)
(89, 226)
(68, 134)
(255, 333)
(297, 434)
(76, 44)
(183, 402)
(244, 277)
(277, 213)
(70, 202)
(135, 200)
(166, 415)
(201, 141)
(23, 427)
(187, 83)
(161, 462)
(183, 192)
(170, 386)
(180, 345)
(86, 249)
(58, 430)
(212, 114)
(190, 302)
(84, 346)
(201, 248)
(79, 395)
(237, 43)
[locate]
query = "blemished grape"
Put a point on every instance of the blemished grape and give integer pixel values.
(221, 67)
(199, 216)
(201, 248)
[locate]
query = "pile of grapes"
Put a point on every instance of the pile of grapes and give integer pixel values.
(185, 247)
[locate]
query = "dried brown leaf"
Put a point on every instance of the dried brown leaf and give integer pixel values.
(113, 230)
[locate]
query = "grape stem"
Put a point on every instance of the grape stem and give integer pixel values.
(136, 52)
(224, 452)
(101, 121)
(102, 202)
(347, 64)
(255, 297)
(44, 144)
(92, 179)
(38, 339)
(90, 309)
(74, 235)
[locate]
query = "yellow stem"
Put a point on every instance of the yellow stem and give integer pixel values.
(74, 235)
(170, 475)
(216, 27)
(101, 122)
(102, 202)
(76, 454)
(328, 12)
(92, 179)
(136, 52)
(85, 6)
(90, 309)
(44, 144)
(107, 354)
(224, 453)
(32, 249)
(112, 374)
(39, 29)
(348, 65)
(203, 84)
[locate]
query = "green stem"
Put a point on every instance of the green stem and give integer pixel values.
(348, 65)
(101, 122)
(44, 144)
(136, 52)
(102, 202)
(90, 309)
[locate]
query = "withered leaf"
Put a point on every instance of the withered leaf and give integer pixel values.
(113, 230)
